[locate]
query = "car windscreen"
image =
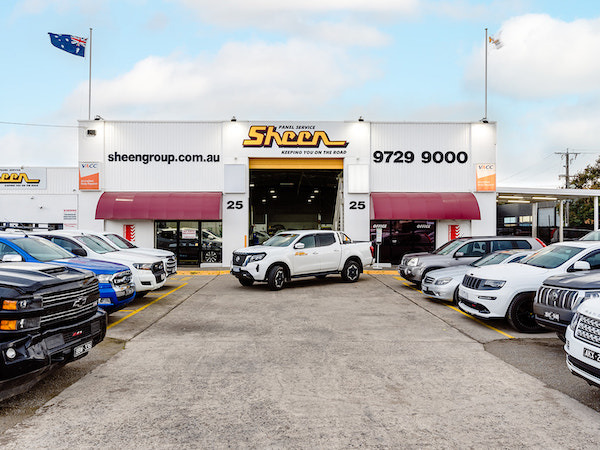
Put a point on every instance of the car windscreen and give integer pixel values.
(119, 241)
(42, 249)
(593, 236)
(449, 247)
(281, 240)
(553, 256)
(492, 258)
(95, 244)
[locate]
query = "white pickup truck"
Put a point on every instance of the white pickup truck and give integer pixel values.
(292, 254)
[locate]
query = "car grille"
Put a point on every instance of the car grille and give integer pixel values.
(70, 305)
(471, 282)
(588, 329)
(171, 265)
(239, 259)
(122, 278)
(158, 270)
(560, 298)
(428, 280)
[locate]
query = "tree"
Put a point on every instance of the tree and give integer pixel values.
(581, 212)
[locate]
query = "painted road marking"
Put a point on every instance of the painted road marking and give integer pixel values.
(462, 312)
(145, 306)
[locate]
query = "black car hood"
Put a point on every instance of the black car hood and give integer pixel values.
(588, 279)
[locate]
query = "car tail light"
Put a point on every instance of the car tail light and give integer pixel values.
(540, 241)
(372, 251)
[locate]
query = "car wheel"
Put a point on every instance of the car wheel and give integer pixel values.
(520, 314)
(276, 278)
(211, 256)
(351, 271)
(246, 281)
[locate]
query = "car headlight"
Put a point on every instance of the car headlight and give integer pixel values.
(257, 257)
(143, 266)
(413, 262)
(574, 321)
(493, 284)
(104, 278)
(587, 296)
(443, 281)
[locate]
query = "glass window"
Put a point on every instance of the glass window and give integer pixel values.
(449, 247)
(502, 245)
(492, 258)
(475, 248)
(553, 256)
(7, 250)
(522, 244)
(212, 242)
(67, 244)
(95, 244)
(119, 241)
(41, 249)
(308, 241)
(326, 239)
(593, 259)
(281, 240)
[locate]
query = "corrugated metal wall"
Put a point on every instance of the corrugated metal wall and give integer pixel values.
(151, 139)
(397, 174)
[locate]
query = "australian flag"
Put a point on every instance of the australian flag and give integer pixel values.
(69, 43)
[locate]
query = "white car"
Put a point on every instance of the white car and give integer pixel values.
(121, 243)
(582, 342)
(148, 272)
(508, 291)
(292, 254)
(443, 283)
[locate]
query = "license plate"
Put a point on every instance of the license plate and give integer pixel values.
(552, 316)
(81, 349)
(591, 354)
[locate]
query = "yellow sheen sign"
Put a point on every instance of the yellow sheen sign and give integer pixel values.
(264, 136)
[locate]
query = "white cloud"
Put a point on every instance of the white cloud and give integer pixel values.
(245, 79)
(542, 57)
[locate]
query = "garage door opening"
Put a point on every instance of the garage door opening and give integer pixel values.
(285, 198)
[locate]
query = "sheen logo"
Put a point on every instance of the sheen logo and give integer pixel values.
(263, 136)
(16, 178)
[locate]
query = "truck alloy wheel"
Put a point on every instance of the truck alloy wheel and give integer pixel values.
(351, 271)
(276, 278)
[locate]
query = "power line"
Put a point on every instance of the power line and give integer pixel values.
(38, 125)
(567, 175)
(536, 164)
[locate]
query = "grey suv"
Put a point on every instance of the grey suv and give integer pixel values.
(414, 266)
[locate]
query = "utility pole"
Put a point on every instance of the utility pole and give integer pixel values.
(567, 176)
(569, 156)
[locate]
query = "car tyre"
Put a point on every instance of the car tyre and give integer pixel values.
(455, 296)
(246, 281)
(520, 314)
(351, 271)
(276, 278)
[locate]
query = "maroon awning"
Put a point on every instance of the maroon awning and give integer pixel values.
(159, 206)
(424, 206)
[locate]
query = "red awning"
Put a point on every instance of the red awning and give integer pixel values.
(159, 206)
(424, 206)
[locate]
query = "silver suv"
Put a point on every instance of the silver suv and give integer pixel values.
(414, 266)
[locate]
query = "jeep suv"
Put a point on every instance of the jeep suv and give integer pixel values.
(461, 251)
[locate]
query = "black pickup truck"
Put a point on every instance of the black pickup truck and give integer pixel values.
(560, 295)
(49, 316)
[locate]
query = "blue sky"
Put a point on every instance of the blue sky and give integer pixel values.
(401, 60)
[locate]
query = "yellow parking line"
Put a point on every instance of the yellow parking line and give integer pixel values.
(145, 306)
(462, 312)
(380, 272)
(186, 279)
(202, 272)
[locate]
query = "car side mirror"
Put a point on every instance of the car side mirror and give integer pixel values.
(459, 254)
(581, 265)
(12, 258)
(299, 245)
(79, 252)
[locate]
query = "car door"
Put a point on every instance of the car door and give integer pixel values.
(306, 260)
(471, 251)
(329, 252)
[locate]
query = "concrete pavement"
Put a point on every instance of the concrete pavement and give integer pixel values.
(320, 364)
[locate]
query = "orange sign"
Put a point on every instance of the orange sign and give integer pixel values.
(486, 177)
(89, 176)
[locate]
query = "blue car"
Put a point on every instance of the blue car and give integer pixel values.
(115, 281)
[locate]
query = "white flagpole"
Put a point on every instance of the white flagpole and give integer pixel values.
(90, 81)
(486, 56)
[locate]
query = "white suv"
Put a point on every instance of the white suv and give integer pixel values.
(148, 272)
(509, 290)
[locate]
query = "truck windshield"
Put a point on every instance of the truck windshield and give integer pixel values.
(119, 241)
(41, 249)
(95, 244)
(553, 256)
(493, 258)
(281, 240)
(449, 247)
